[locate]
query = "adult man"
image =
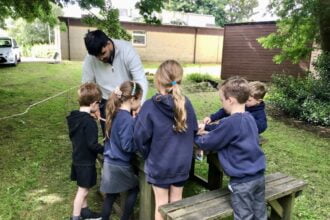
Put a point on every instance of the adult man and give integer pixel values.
(110, 62)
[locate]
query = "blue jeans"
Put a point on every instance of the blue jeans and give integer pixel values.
(248, 200)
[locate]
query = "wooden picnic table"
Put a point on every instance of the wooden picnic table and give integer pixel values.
(147, 201)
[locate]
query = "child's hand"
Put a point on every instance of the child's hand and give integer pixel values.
(201, 129)
(206, 120)
(96, 114)
(95, 110)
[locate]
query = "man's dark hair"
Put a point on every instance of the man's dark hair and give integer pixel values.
(95, 41)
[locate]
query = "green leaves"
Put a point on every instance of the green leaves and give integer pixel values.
(305, 98)
(44, 10)
(147, 9)
(300, 25)
(295, 39)
(240, 10)
(223, 10)
(109, 23)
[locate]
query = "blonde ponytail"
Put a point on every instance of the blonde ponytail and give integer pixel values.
(169, 75)
(113, 104)
(180, 112)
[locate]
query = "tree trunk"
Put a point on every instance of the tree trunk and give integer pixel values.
(324, 10)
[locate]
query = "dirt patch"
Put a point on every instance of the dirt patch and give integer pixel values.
(281, 116)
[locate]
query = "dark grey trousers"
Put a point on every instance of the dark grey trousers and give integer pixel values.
(248, 200)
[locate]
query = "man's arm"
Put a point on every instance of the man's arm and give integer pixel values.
(134, 65)
(88, 74)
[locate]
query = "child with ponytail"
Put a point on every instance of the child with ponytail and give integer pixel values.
(118, 175)
(164, 132)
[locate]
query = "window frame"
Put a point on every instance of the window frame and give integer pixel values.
(139, 34)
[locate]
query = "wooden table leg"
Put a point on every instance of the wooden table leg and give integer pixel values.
(147, 200)
(285, 207)
(215, 174)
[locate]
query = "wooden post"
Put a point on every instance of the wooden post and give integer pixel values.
(147, 200)
(215, 174)
(192, 169)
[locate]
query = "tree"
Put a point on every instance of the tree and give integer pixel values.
(240, 10)
(47, 11)
(224, 11)
(30, 33)
(147, 9)
(109, 22)
(301, 24)
(210, 7)
(41, 9)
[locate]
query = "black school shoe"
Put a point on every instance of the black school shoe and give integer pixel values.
(86, 213)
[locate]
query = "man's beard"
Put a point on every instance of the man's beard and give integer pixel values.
(112, 54)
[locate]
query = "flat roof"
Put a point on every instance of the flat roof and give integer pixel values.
(251, 23)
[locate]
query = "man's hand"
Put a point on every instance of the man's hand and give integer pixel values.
(206, 120)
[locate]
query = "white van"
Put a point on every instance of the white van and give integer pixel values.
(9, 51)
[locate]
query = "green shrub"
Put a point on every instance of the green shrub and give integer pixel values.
(306, 98)
(198, 77)
(43, 50)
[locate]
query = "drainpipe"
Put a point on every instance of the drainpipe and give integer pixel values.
(69, 50)
(195, 42)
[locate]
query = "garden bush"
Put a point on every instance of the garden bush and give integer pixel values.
(306, 98)
(43, 50)
(198, 77)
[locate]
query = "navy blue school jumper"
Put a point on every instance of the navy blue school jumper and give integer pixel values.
(118, 175)
(83, 133)
(257, 111)
(168, 153)
(236, 140)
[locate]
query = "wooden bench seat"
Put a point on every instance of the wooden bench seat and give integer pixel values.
(281, 191)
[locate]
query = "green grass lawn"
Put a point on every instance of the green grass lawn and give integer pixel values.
(35, 152)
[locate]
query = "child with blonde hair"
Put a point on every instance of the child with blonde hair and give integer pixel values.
(83, 133)
(118, 175)
(164, 131)
(255, 105)
(236, 141)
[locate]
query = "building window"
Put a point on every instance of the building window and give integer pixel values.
(139, 38)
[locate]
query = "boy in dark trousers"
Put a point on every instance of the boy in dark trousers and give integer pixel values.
(236, 140)
(83, 134)
(254, 105)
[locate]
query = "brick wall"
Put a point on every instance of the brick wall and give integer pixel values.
(185, 44)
